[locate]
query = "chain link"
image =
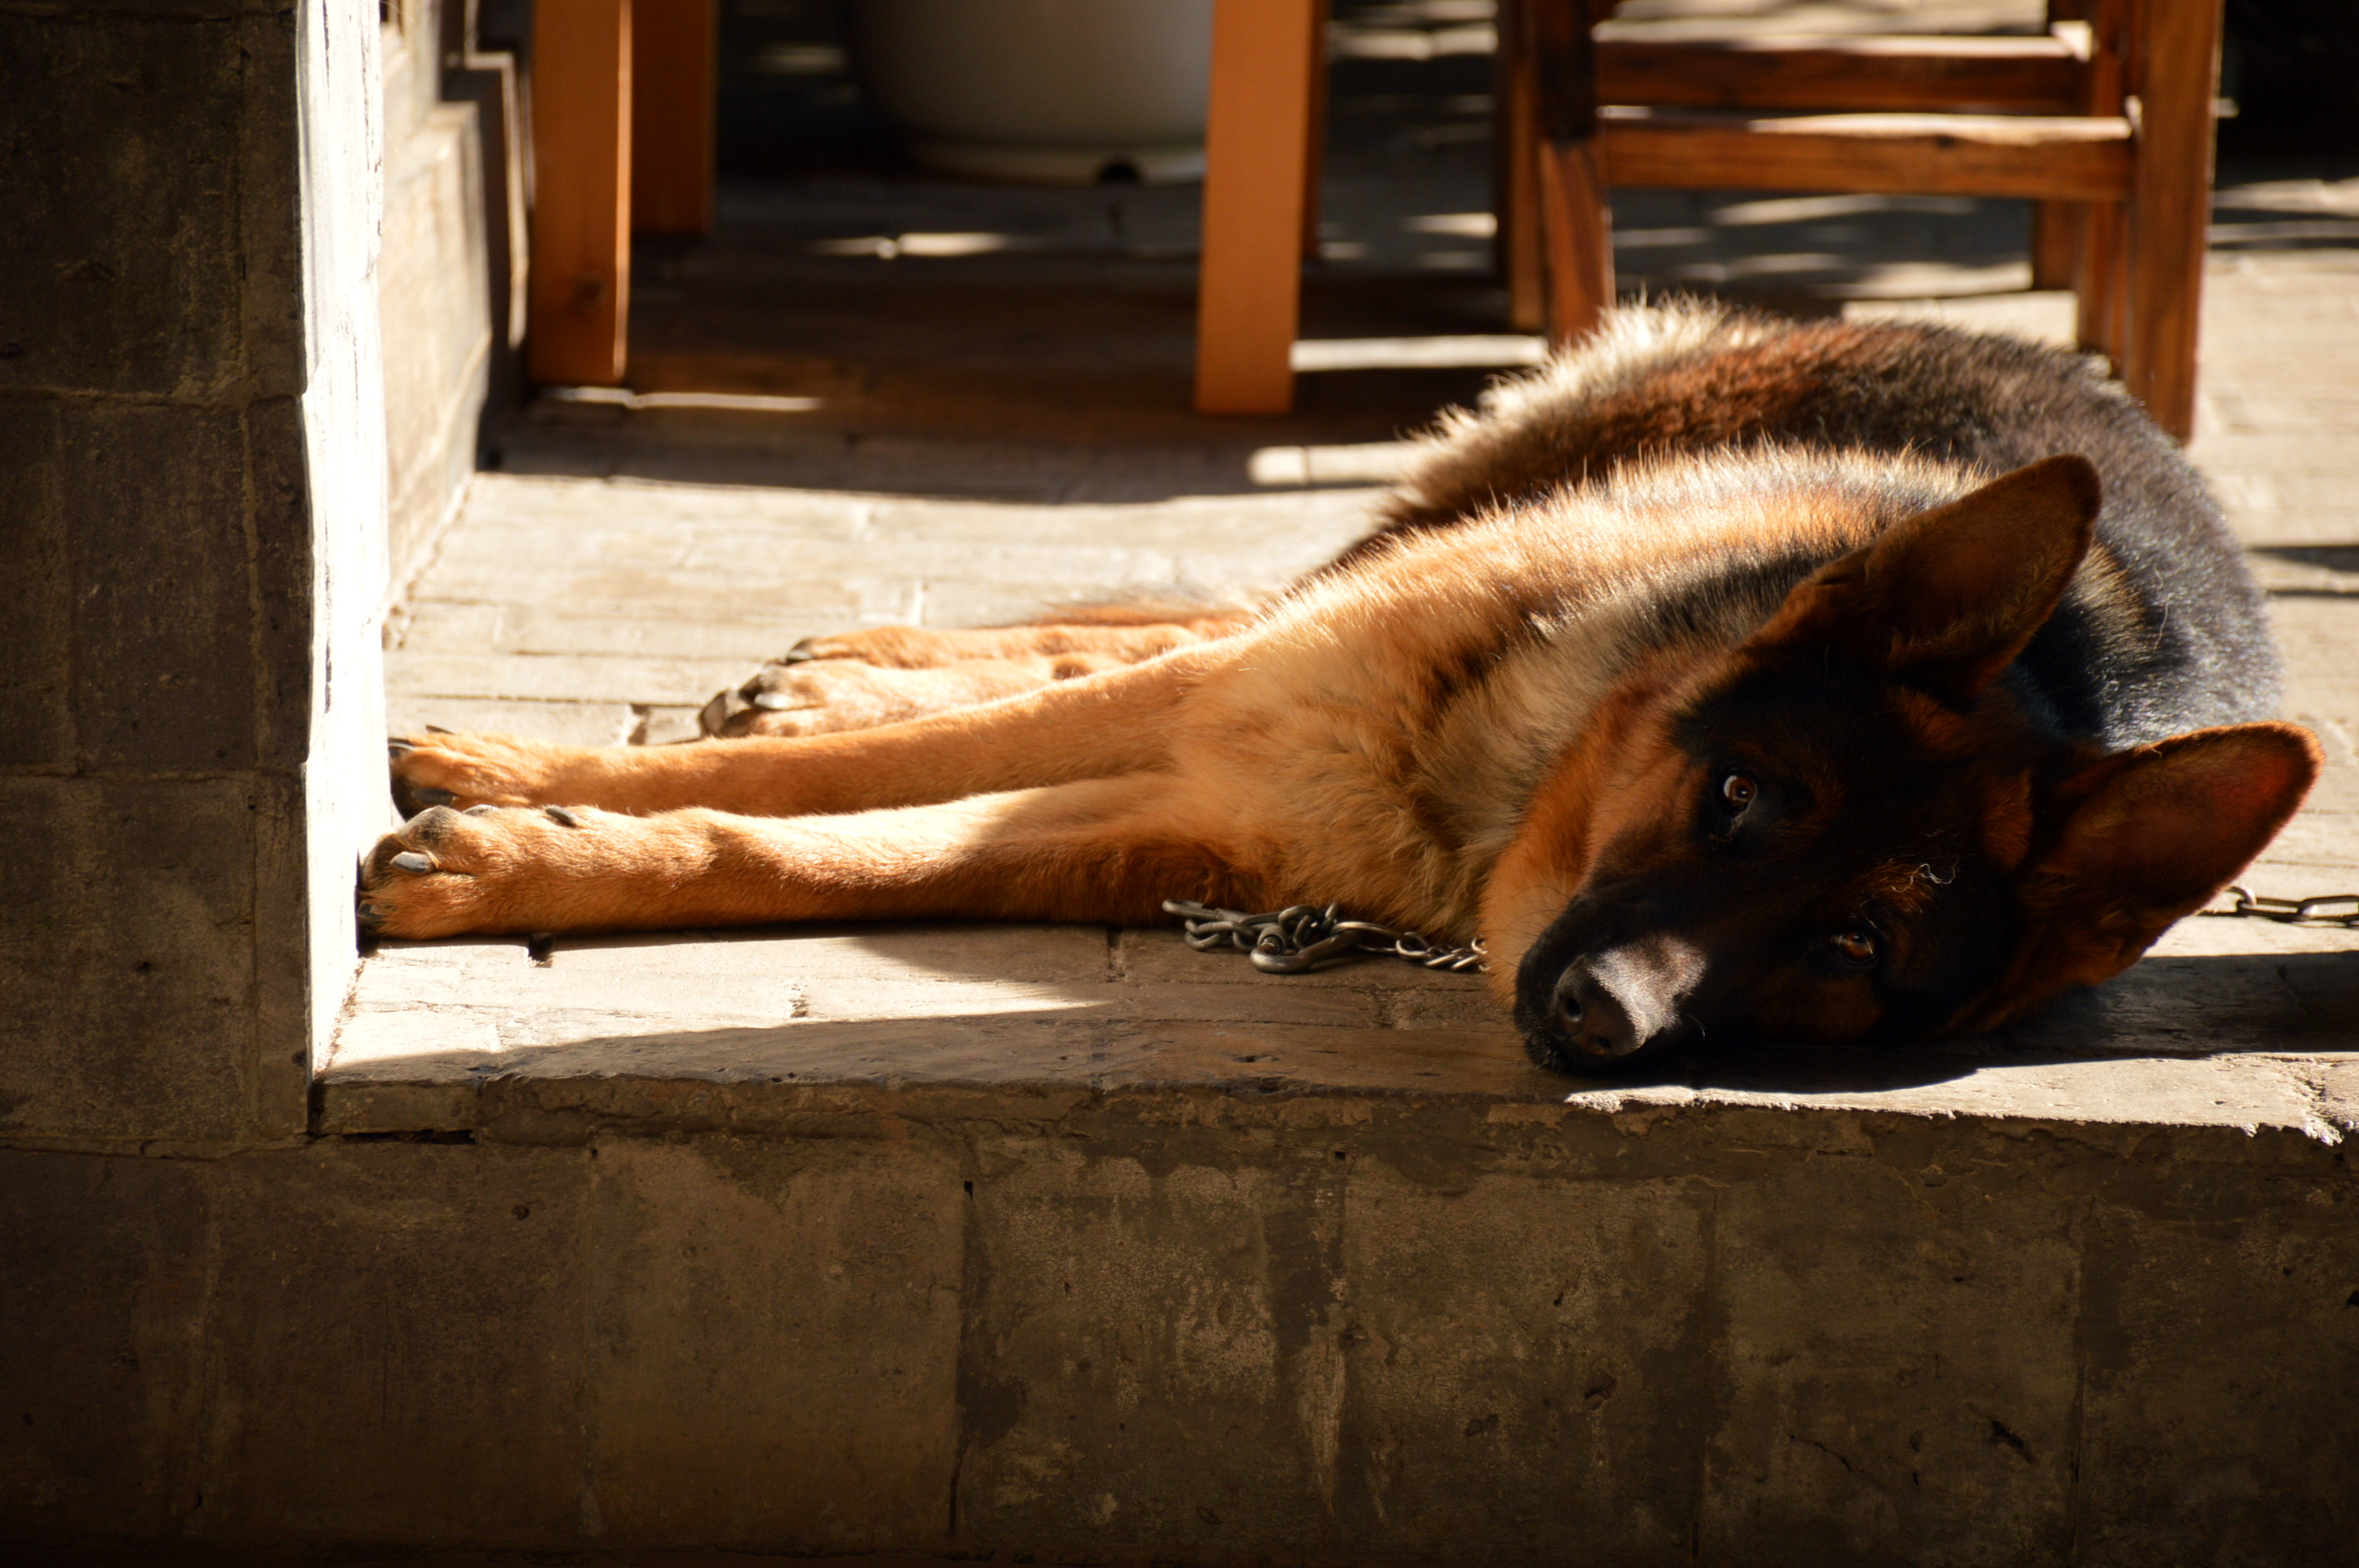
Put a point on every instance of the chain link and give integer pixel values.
(2294, 910)
(1301, 936)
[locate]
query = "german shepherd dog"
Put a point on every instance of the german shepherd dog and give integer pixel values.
(1735, 678)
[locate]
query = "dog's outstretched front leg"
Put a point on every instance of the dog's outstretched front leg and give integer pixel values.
(1110, 637)
(1096, 727)
(1105, 850)
(888, 674)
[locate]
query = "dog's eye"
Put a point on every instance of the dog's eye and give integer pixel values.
(1735, 793)
(1855, 946)
(1728, 802)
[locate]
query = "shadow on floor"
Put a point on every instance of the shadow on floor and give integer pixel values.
(1076, 1027)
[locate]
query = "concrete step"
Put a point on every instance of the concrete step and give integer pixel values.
(1064, 1245)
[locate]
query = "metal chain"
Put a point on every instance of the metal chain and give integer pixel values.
(1301, 937)
(2294, 910)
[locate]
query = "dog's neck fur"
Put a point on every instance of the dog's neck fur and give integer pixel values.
(1426, 810)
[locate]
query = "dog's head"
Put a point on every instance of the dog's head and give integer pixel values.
(1847, 827)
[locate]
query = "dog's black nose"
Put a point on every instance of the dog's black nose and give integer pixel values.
(1589, 1016)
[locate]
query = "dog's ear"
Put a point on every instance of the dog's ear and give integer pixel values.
(1944, 600)
(2144, 836)
(2149, 835)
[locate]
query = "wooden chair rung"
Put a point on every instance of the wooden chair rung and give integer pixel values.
(2036, 76)
(2058, 159)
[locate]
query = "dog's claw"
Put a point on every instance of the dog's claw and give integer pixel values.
(430, 827)
(558, 813)
(428, 794)
(438, 730)
(479, 810)
(798, 654)
(400, 748)
(411, 860)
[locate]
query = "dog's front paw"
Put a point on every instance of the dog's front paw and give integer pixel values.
(884, 647)
(800, 698)
(819, 697)
(491, 869)
(444, 768)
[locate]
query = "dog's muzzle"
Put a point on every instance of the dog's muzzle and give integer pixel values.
(1608, 1004)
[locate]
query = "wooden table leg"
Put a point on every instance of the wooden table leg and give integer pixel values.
(1257, 169)
(2177, 74)
(674, 49)
(581, 192)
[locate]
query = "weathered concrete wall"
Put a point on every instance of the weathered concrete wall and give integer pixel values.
(433, 284)
(1203, 1325)
(191, 452)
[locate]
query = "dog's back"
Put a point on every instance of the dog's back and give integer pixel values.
(2164, 631)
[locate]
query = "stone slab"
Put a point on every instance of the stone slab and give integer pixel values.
(385, 1344)
(101, 296)
(113, 940)
(1202, 1324)
(2220, 1027)
(592, 679)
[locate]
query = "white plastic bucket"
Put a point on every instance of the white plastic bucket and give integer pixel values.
(1047, 92)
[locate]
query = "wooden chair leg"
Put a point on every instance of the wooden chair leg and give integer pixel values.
(579, 293)
(2101, 255)
(2056, 226)
(674, 45)
(2177, 70)
(2101, 280)
(1578, 227)
(2055, 243)
(1576, 223)
(1314, 156)
(1256, 164)
(1521, 253)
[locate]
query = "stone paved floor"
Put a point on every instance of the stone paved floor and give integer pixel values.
(989, 417)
